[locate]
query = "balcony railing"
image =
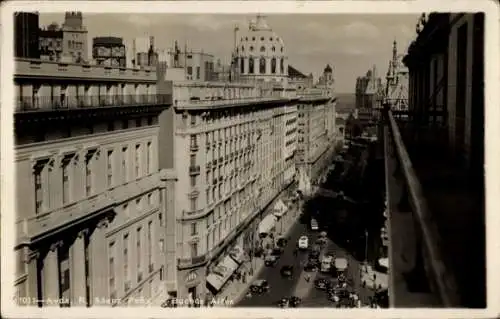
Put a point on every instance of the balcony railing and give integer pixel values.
(49, 103)
(430, 273)
(223, 102)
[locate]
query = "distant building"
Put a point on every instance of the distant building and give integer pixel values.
(368, 88)
(143, 53)
(26, 35)
(67, 43)
(197, 65)
(298, 79)
(396, 87)
(109, 51)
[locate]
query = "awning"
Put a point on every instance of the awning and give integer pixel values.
(267, 224)
(279, 208)
(221, 273)
(384, 262)
(237, 254)
(340, 263)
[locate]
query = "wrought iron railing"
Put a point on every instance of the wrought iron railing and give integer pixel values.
(429, 255)
(61, 102)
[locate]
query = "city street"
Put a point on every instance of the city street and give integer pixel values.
(297, 285)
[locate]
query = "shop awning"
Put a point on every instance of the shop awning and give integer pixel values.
(267, 224)
(237, 254)
(279, 208)
(221, 273)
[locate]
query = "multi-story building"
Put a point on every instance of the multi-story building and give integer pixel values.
(68, 42)
(90, 227)
(196, 65)
(260, 54)
(299, 80)
(228, 144)
(368, 88)
(109, 51)
(434, 159)
(26, 35)
(314, 149)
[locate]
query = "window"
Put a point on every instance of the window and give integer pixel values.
(109, 171)
(125, 262)
(193, 181)
(139, 250)
(150, 199)
(193, 141)
(138, 122)
(88, 174)
(150, 246)
(149, 158)
(194, 250)
(251, 65)
(193, 160)
(190, 70)
(198, 72)
(125, 124)
(282, 65)
(194, 231)
(193, 204)
(262, 49)
(262, 65)
(273, 49)
(138, 203)
(65, 180)
(39, 202)
(111, 270)
(160, 219)
(242, 65)
(124, 163)
(137, 160)
(273, 65)
(193, 119)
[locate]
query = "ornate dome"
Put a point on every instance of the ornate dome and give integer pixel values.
(260, 48)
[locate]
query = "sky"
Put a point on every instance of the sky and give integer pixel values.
(350, 43)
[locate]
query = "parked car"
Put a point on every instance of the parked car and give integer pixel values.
(291, 302)
(295, 301)
(259, 286)
(277, 251)
(303, 242)
(310, 267)
(286, 271)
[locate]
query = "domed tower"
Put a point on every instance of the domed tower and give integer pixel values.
(260, 53)
(328, 74)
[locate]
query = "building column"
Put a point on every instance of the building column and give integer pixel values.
(32, 259)
(99, 261)
(51, 275)
(78, 278)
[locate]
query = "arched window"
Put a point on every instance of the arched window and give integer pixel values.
(253, 38)
(273, 65)
(273, 49)
(250, 65)
(282, 66)
(242, 48)
(262, 49)
(261, 38)
(251, 48)
(281, 49)
(270, 39)
(242, 65)
(262, 65)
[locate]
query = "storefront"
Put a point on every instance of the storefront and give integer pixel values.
(191, 284)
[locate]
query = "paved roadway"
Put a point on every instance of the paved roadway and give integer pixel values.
(298, 286)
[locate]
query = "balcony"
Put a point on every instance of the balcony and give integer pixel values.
(436, 219)
(191, 262)
(194, 170)
(221, 103)
(65, 103)
(193, 194)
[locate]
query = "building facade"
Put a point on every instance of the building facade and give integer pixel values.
(441, 139)
(109, 51)
(89, 221)
(228, 142)
(26, 35)
(368, 88)
(197, 65)
(315, 148)
(67, 43)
